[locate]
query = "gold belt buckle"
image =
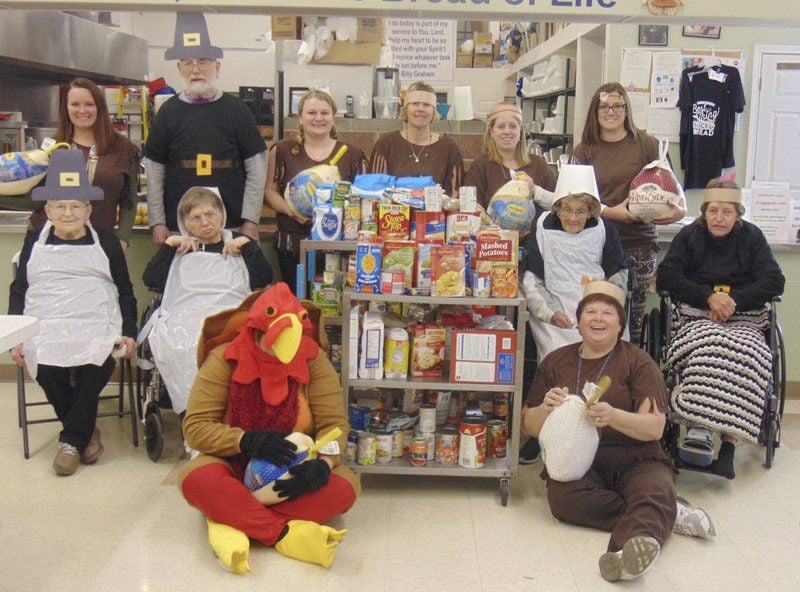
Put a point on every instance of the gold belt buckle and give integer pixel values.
(722, 288)
(203, 165)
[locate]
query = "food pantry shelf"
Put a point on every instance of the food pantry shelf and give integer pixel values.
(495, 467)
(436, 384)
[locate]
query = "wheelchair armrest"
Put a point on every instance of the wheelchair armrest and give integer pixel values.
(777, 298)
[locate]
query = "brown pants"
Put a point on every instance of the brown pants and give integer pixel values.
(628, 500)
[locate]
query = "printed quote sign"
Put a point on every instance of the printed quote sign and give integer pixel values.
(422, 49)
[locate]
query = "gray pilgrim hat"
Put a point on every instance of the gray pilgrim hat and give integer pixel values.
(191, 39)
(67, 179)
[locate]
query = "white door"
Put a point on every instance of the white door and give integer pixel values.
(778, 120)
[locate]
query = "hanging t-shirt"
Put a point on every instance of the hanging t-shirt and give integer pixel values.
(708, 102)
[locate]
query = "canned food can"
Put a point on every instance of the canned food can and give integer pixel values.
(500, 409)
(447, 440)
(430, 437)
(498, 438)
(427, 418)
(472, 449)
(408, 437)
(350, 451)
(397, 444)
(383, 447)
(419, 452)
(367, 446)
(395, 353)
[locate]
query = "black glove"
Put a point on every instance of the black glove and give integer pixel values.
(271, 446)
(308, 476)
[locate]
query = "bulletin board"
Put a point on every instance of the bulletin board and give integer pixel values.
(652, 79)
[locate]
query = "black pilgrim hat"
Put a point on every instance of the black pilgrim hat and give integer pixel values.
(67, 179)
(191, 39)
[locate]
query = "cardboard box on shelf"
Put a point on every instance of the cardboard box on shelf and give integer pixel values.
(480, 355)
(286, 27)
(482, 38)
(484, 48)
(344, 52)
(370, 30)
(482, 60)
(464, 59)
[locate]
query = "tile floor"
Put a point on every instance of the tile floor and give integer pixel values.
(121, 525)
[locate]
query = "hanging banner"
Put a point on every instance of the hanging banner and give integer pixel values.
(423, 50)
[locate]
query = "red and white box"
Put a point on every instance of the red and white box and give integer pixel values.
(483, 356)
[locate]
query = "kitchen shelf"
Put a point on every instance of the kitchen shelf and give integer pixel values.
(556, 93)
(423, 383)
(495, 467)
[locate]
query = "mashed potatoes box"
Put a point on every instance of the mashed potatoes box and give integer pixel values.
(482, 355)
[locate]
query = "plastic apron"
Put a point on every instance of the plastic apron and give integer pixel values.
(567, 258)
(72, 293)
(199, 284)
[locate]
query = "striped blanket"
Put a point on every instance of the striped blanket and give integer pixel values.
(725, 371)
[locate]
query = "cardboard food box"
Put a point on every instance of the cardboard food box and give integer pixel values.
(496, 256)
(286, 27)
(368, 268)
(482, 60)
(430, 225)
(400, 255)
(394, 221)
(482, 355)
(427, 351)
(464, 59)
(448, 271)
(482, 38)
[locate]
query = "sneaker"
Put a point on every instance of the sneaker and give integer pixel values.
(636, 557)
(93, 449)
(67, 459)
(691, 521)
(530, 452)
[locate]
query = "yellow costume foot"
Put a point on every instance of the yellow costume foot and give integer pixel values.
(309, 541)
(231, 546)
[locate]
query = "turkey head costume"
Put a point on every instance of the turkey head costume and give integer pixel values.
(274, 347)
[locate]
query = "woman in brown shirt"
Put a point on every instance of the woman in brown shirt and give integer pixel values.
(416, 151)
(618, 150)
(314, 144)
(112, 161)
(505, 159)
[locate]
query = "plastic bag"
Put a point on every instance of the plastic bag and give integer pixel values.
(569, 441)
(655, 188)
(300, 191)
(511, 207)
(21, 171)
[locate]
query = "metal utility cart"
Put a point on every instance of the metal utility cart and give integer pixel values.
(503, 468)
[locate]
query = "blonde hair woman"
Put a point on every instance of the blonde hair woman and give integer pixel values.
(315, 143)
(417, 151)
(505, 158)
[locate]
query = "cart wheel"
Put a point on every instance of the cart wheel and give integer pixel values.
(773, 439)
(504, 491)
(153, 435)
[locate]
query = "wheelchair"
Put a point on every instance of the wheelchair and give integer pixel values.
(658, 327)
(151, 392)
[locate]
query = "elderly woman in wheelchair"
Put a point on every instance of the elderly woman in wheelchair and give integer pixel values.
(722, 274)
(205, 269)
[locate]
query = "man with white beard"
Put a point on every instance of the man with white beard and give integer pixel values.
(203, 137)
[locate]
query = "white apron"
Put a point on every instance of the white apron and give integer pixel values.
(567, 258)
(72, 293)
(199, 284)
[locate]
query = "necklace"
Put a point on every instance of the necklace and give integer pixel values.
(599, 374)
(413, 154)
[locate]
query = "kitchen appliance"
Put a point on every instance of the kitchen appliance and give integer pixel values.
(12, 136)
(349, 105)
(386, 86)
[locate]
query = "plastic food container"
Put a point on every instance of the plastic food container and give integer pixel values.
(386, 107)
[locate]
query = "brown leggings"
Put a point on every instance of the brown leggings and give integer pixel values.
(631, 501)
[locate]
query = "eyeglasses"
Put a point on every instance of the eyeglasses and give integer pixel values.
(620, 108)
(201, 63)
(61, 209)
(209, 215)
(568, 213)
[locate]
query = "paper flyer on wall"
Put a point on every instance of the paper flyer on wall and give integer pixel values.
(635, 72)
(770, 208)
(665, 79)
(664, 123)
(639, 107)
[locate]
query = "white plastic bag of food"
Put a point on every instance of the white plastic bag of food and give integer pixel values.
(511, 206)
(655, 188)
(569, 441)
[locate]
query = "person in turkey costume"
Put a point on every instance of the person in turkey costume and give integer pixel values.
(271, 379)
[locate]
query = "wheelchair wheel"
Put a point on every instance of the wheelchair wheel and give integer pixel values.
(772, 440)
(153, 434)
(654, 331)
